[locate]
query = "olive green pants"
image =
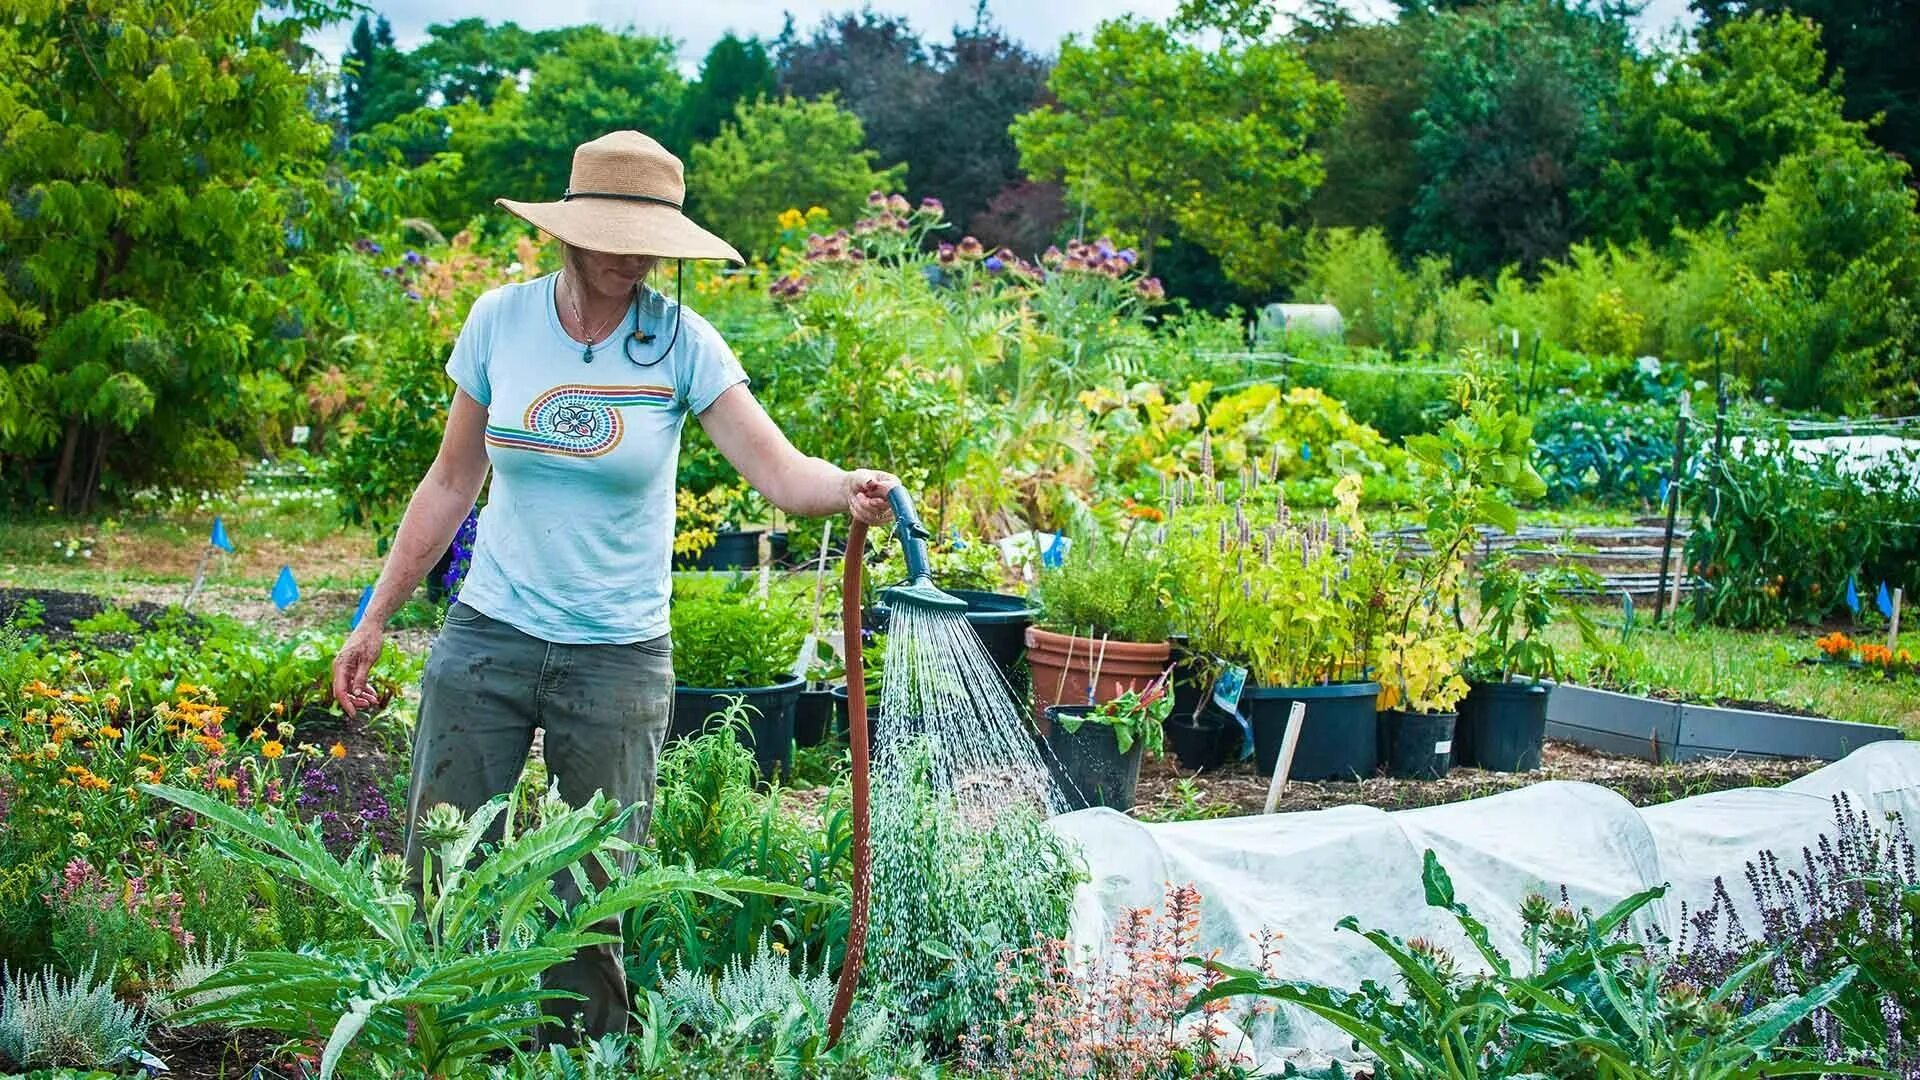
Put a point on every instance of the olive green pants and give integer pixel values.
(604, 711)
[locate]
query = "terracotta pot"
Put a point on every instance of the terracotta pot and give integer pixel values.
(1062, 666)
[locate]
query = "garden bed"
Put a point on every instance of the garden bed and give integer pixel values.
(1239, 789)
(1658, 729)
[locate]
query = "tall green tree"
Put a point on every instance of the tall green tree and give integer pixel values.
(161, 162)
(942, 109)
(1380, 67)
(735, 70)
(377, 81)
(1694, 133)
(1511, 127)
(779, 155)
(1869, 48)
(596, 81)
(1152, 132)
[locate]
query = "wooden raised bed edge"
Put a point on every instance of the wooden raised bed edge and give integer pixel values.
(1669, 731)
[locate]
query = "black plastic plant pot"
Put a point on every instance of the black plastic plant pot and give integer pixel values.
(1417, 745)
(1338, 739)
(771, 729)
(1502, 726)
(1000, 620)
(1190, 684)
(812, 714)
(840, 729)
(1205, 739)
(730, 550)
(1088, 763)
(777, 547)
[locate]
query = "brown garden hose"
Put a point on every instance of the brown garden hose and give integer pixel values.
(857, 740)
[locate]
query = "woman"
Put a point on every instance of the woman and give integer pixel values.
(573, 388)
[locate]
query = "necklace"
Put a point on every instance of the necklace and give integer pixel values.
(586, 350)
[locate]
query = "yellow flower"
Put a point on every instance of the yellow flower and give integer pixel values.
(279, 709)
(81, 840)
(257, 735)
(338, 750)
(226, 783)
(186, 688)
(792, 219)
(108, 731)
(272, 749)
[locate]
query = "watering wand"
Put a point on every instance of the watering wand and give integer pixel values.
(917, 591)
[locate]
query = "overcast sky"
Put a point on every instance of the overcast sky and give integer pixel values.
(1040, 24)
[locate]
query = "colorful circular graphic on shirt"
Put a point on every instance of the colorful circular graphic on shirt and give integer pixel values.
(578, 421)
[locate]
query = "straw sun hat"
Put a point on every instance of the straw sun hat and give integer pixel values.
(624, 198)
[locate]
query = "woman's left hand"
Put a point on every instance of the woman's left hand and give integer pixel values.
(867, 495)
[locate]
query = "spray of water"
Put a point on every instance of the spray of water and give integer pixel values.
(964, 866)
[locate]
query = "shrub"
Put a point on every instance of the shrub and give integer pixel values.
(725, 636)
(48, 1021)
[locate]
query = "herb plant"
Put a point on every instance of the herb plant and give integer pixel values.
(1115, 590)
(727, 637)
(1516, 607)
(1134, 715)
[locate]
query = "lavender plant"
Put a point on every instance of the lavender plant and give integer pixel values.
(1853, 901)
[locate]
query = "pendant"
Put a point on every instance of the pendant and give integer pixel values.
(586, 355)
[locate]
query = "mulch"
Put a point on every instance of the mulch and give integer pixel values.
(62, 609)
(1240, 789)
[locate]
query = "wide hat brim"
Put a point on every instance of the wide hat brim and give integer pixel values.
(618, 227)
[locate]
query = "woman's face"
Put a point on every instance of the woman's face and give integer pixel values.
(608, 276)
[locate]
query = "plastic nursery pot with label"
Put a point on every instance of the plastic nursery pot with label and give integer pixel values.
(1417, 745)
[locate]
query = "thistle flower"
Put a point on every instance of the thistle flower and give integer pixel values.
(876, 199)
(1150, 289)
(442, 824)
(932, 207)
(899, 205)
(945, 253)
(970, 248)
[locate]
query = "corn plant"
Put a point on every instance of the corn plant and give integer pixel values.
(1595, 1005)
(431, 984)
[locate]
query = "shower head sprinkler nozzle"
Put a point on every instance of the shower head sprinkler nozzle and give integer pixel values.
(918, 590)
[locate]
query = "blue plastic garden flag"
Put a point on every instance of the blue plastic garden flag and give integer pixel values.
(1664, 485)
(360, 612)
(1853, 596)
(219, 537)
(285, 591)
(1056, 552)
(1884, 601)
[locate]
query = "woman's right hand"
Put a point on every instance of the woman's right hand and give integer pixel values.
(352, 666)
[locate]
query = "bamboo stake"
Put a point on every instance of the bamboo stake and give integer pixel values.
(1296, 719)
(1893, 626)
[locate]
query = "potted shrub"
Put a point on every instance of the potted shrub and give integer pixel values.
(1096, 749)
(729, 642)
(1296, 602)
(1467, 469)
(1503, 718)
(1102, 625)
(712, 531)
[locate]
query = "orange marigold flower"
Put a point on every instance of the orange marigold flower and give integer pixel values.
(338, 750)
(226, 783)
(272, 749)
(1835, 644)
(279, 709)
(212, 744)
(1875, 654)
(108, 731)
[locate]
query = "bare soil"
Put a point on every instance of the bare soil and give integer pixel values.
(1240, 789)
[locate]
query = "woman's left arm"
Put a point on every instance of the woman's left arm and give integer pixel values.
(800, 485)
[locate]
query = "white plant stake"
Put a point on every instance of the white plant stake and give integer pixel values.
(811, 644)
(1296, 719)
(1893, 624)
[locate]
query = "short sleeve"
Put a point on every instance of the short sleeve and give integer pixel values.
(709, 369)
(467, 366)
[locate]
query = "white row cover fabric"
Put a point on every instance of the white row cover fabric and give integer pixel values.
(1301, 873)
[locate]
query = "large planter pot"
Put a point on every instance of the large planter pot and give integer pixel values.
(1062, 666)
(1088, 763)
(812, 717)
(999, 619)
(730, 550)
(1417, 745)
(1338, 739)
(1502, 726)
(771, 727)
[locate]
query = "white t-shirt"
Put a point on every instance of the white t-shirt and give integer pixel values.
(575, 543)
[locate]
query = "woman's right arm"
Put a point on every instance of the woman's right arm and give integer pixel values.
(441, 502)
